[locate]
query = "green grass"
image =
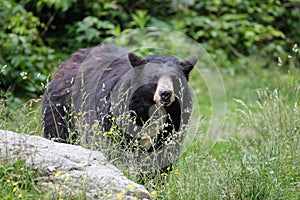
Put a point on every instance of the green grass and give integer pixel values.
(21, 117)
(259, 159)
(16, 182)
(256, 157)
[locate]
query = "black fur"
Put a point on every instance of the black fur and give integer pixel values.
(120, 68)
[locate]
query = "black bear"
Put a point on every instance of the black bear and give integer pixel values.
(107, 82)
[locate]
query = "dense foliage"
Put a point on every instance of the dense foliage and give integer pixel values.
(36, 35)
(24, 59)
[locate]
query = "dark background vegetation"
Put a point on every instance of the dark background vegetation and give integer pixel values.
(36, 35)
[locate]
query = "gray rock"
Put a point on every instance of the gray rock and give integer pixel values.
(72, 168)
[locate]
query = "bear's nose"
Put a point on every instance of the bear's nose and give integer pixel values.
(165, 95)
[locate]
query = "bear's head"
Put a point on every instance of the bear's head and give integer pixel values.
(161, 72)
(157, 96)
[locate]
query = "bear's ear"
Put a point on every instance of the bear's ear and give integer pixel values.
(188, 64)
(135, 60)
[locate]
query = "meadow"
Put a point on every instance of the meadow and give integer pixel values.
(256, 156)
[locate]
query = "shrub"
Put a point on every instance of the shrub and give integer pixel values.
(232, 29)
(25, 60)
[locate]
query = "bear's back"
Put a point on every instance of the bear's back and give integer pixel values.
(103, 69)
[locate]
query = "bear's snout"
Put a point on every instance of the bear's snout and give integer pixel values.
(165, 95)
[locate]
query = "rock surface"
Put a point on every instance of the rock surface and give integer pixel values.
(75, 169)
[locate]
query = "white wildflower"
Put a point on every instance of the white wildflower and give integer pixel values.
(23, 75)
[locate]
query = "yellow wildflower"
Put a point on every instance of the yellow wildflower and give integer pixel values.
(58, 173)
(176, 171)
(80, 113)
(20, 195)
(67, 179)
(22, 168)
(119, 196)
(113, 118)
(131, 186)
(8, 181)
(60, 192)
(109, 133)
(154, 192)
(168, 168)
(15, 189)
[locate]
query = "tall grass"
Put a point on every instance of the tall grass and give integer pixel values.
(20, 117)
(260, 160)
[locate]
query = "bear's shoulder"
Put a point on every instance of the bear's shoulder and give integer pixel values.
(72, 64)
